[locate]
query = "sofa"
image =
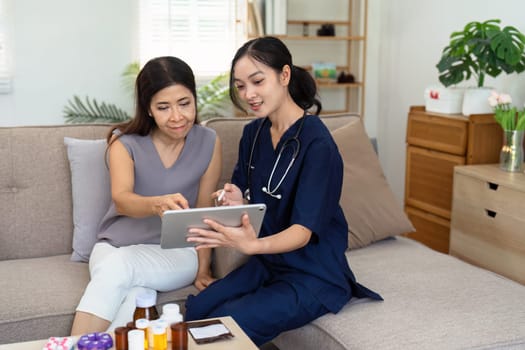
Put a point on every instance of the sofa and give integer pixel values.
(431, 300)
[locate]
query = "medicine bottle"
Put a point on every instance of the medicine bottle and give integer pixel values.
(179, 336)
(160, 322)
(136, 339)
(121, 338)
(160, 340)
(171, 314)
(145, 306)
(143, 325)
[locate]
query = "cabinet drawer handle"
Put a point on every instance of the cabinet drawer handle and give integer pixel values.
(493, 186)
(491, 213)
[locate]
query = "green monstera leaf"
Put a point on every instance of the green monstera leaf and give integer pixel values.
(480, 49)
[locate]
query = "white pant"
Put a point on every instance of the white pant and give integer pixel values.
(119, 274)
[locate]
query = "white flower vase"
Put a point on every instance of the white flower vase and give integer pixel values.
(511, 155)
(475, 101)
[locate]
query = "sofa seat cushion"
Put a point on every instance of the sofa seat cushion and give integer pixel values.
(432, 301)
(43, 293)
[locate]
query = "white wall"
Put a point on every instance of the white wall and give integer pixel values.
(411, 35)
(66, 47)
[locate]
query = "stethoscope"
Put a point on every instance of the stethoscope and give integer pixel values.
(288, 143)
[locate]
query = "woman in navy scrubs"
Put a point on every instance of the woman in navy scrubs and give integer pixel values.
(297, 269)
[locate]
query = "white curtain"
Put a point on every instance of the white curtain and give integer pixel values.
(5, 72)
(201, 32)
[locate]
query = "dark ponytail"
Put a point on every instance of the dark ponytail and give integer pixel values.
(303, 89)
(274, 53)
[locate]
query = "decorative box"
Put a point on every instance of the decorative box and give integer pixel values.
(444, 100)
(324, 72)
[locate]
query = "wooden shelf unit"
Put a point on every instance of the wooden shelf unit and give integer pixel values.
(352, 33)
(436, 143)
(327, 38)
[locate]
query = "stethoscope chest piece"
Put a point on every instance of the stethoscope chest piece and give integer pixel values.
(291, 142)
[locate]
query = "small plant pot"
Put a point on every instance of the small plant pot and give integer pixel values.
(475, 101)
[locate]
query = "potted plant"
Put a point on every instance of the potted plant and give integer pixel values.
(213, 100)
(481, 49)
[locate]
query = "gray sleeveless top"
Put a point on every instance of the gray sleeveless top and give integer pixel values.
(153, 179)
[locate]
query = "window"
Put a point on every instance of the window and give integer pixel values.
(5, 78)
(200, 32)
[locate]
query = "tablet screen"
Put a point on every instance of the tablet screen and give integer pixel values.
(176, 223)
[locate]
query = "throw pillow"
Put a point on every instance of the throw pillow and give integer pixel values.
(371, 208)
(91, 192)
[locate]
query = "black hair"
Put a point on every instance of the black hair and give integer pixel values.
(157, 74)
(273, 52)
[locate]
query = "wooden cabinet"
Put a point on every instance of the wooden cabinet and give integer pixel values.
(347, 48)
(436, 143)
(488, 222)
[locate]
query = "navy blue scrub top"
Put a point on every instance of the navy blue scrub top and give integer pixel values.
(310, 194)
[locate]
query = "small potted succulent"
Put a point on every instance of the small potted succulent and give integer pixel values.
(481, 49)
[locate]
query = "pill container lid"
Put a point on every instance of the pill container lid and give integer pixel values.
(141, 323)
(161, 322)
(158, 329)
(147, 298)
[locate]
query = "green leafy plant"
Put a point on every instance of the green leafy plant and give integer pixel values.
(213, 100)
(480, 49)
(129, 75)
(90, 111)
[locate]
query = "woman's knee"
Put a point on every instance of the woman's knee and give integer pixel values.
(115, 269)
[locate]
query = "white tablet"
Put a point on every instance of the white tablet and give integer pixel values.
(176, 223)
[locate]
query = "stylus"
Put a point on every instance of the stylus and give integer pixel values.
(221, 196)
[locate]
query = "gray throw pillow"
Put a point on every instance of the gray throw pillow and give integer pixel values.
(91, 192)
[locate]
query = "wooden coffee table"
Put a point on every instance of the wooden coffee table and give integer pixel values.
(240, 341)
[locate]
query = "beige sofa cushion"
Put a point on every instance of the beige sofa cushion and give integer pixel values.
(371, 208)
(432, 301)
(35, 181)
(42, 293)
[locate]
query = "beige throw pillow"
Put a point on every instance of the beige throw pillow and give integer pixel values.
(371, 208)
